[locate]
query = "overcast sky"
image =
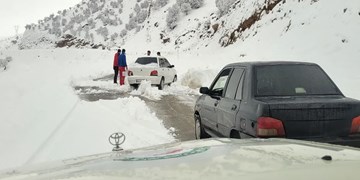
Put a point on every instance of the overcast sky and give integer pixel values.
(23, 12)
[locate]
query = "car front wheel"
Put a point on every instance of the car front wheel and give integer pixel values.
(161, 85)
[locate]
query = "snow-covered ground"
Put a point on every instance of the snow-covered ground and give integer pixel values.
(42, 117)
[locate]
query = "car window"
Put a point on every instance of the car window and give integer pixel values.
(167, 64)
(239, 90)
(233, 83)
(219, 85)
(162, 62)
(146, 60)
(293, 80)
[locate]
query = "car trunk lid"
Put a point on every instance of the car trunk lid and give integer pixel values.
(313, 117)
(141, 71)
(143, 66)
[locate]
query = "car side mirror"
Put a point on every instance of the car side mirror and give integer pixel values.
(204, 90)
(171, 66)
(215, 95)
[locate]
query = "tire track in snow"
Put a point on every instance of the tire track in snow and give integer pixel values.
(175, 113)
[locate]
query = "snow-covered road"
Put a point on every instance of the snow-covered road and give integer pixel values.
(176, 112)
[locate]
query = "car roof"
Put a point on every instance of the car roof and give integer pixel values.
(264, 63)
(150, 57)
(208, 159)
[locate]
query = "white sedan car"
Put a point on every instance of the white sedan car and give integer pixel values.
(157, 70)
(210, 159)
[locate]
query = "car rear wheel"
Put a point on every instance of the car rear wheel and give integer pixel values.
(235, 134)
(134, 86)
(199, 129)
(161, 85)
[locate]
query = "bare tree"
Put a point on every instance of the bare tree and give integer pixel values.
(172, 16)
(16, 30)
(224, 5)
(185, 8)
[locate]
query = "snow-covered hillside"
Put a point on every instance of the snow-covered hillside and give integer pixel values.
(96, 22)
(117, 23)
(43, 119)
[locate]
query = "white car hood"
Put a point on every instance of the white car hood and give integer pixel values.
(207, 159)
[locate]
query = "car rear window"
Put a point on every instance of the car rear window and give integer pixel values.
(146, 60)
(292, 80)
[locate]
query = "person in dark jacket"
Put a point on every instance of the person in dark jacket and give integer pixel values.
(122, 67)
(116, 66)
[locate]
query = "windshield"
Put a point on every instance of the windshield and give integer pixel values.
(146, 60)
(293, 80)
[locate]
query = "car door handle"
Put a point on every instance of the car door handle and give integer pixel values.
(233, 108)
(216, 103)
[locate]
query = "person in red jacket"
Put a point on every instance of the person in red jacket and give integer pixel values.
(115, 66)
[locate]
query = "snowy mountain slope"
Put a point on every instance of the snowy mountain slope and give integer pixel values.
(122, 23)
(39, 105)
(324, 32)
(102, 22)
(114, 22)
(307, 30)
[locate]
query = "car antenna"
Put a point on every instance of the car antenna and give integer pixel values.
(116, 139)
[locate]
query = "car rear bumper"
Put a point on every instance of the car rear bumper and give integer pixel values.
(138, 79)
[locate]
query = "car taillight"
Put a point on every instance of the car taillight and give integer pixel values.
(154, 73)
(355, 125)
(130, 73)
(270, 127)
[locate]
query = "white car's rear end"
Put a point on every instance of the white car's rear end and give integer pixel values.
(156, 70)
(138, 73)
